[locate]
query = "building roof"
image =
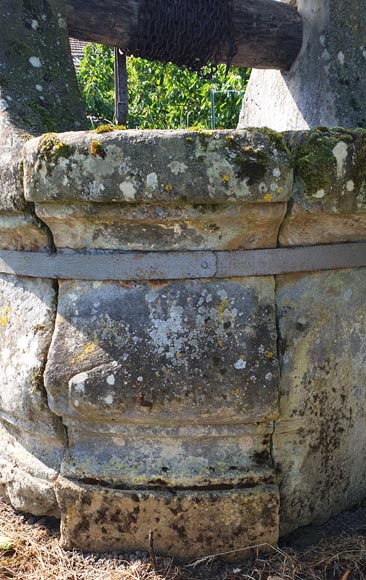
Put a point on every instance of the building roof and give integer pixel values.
(77, 47)
(77, 51)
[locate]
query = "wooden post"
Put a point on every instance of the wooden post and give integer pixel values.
(268, 34)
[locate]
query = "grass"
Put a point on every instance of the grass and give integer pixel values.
(37, 555)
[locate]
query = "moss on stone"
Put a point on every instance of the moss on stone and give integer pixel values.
(359, 166)
(96, 149)
(37, 380)
(109, 128)
(52, 148)
(314, 162)
(251, 163)
(42, 115)
(21, 175)
(276, 139)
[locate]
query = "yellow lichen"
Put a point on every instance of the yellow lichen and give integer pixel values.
(96, 148)
(4, 319)
(109, 128)
(268, 197)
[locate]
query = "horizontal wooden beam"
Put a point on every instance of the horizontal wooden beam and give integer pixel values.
(268, 34)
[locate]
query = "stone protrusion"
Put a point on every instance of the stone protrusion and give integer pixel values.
(160, 369)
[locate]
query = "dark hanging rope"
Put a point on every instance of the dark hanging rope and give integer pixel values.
(186, 32)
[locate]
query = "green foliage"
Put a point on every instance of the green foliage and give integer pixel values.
(160, 96)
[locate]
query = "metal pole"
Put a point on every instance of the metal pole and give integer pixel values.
(212, 98)
(120, 87)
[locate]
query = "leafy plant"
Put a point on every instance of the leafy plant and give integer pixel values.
(161, 96)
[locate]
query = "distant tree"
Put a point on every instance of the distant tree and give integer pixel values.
(161, 96)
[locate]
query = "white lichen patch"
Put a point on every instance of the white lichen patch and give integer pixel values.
(341, 58)
(35, 61)
(128, 190)
(319, 194)
(62, 22)
(152, 181)
(240, 364)
(350, 185)
(340, 153)
(168, 335)
(111, 379)
(78, 382)
(108, 400)
(35, 24)
(276, 172)
(39, 88)
(4, 105)
(177, 167)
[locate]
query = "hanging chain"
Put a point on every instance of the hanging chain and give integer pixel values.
(186, 32)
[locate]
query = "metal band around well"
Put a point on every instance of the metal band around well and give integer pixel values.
(183, 265)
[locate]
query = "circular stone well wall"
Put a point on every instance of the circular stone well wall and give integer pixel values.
(178, 398)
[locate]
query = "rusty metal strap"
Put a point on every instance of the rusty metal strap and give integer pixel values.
(181, 265)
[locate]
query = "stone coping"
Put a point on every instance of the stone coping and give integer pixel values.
(187, 190)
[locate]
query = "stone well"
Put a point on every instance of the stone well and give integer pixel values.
(217, 411)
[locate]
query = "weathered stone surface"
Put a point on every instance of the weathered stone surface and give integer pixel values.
(11, 173)
(169, 456)
(158, 166)
(326, 85)
(186, 524)
(28, 428)
(38, 87)
(329, 188)
(29, 464)
(149, 227)
(196, 349)
(22, 232)
(144, 375)
(319, 441)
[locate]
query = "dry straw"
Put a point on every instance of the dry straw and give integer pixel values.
(37, 555)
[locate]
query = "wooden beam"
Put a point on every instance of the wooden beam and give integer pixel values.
(268, 33)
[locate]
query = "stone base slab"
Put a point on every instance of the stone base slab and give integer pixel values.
(186, 524)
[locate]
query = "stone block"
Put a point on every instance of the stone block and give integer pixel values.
(11, 172)
(165, 383)
(19, 228)
(319, 443)
(158, 166)
(329, 199)
(163, 227)
(32, 436)
(186, 524)
(29, 464)
(22, 232)
(173, 456)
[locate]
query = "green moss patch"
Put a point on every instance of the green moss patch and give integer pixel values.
(52, 148)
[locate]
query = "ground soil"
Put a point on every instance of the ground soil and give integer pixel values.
(335, 550)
